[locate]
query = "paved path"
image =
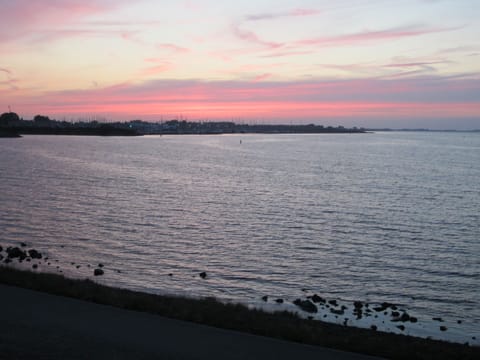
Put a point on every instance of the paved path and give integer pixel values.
(35, 325)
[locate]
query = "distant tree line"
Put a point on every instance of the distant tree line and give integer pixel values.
(44, 125)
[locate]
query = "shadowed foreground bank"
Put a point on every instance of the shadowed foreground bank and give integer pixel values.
(36, 325)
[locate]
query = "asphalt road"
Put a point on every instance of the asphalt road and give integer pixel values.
(36, 325)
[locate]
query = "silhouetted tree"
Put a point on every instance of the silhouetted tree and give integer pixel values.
(40, 119)
(9, 118)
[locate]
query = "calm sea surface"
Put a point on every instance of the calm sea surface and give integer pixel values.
(373, 217)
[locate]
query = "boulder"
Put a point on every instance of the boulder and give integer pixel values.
(279, 301)
(265, 298)
(333, 302)
(337, 311)
(16, 252)
(306, 305)
(34, 254)
(317, 299)
(98, 272)
(203, 274)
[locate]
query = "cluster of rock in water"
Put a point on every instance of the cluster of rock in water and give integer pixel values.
(23, 254)
(313, 304)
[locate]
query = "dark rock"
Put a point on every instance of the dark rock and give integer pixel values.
(170, 274)
(413, 319)
(28, 259)
(7, 261)
(279, 301)
(384, 306)
(358, 304)
(100, 265)
(395, 313)
(403, 318)
(1, 257)
(265, 298)
(401, 327)
(337, 311)
(443, 328)
(22, 244)
(333, 302)
(458, 321)
(317, 299)
(34, 254)
(1, 248)
(306, 305)
(203, 274)
(34, 266)
(78, 266)
(16, 252)
(345, 322)
(373, 327)
(98, 272)
(437, 319)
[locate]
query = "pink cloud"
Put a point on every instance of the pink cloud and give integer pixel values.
(426, 97)
(287, 53)
(262, 77)
(173, 48)
(23, 18)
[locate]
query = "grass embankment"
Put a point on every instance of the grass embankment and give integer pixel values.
(208, 311)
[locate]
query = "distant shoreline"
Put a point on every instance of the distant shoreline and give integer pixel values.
(208, 311)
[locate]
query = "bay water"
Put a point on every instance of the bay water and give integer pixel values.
(381, 217)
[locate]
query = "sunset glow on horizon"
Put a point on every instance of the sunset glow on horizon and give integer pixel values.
(409, 63)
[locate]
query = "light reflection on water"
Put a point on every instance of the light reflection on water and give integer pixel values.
(377, 217)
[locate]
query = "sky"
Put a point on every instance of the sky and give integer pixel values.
(366, 63)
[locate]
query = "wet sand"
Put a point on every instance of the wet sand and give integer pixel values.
(43, 326)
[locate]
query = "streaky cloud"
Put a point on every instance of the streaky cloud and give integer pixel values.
(365, 37)
(276, 15)
(173, 48)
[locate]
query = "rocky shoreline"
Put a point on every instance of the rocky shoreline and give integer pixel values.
(380, 318)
